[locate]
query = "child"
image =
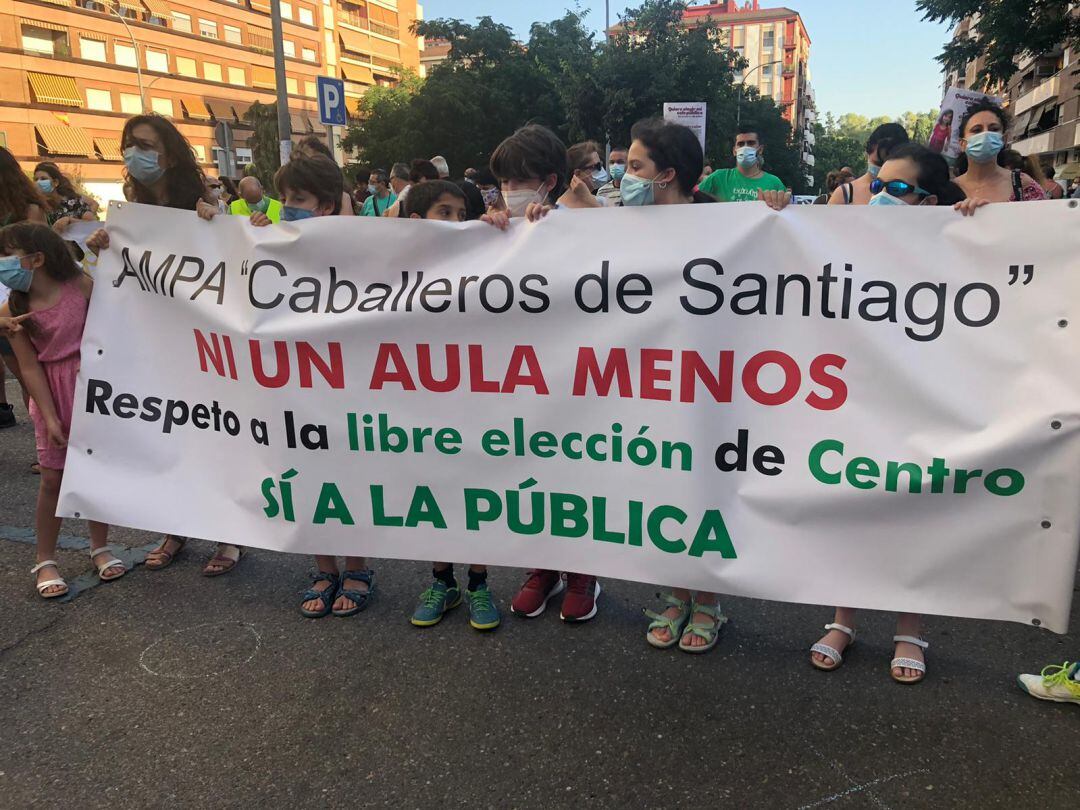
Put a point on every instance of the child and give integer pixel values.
(48, 285)
(444, 201)
(312, 187)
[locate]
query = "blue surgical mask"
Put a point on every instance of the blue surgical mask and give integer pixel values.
(599, 177)
(983, 147)
(885, 198)
(618, 171)
(746, 156)
(13, 275)
(373, 190)
(290, 213)
(872, 169)
(636, 190)
(143, 165)
(46, 186)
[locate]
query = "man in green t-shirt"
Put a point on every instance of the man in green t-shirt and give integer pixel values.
(743, 183)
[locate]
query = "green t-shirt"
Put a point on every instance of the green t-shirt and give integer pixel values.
(729, 185)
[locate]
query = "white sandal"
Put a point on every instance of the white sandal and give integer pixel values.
(41, 586)
(112, 562)
(829, 652)
(909, 663)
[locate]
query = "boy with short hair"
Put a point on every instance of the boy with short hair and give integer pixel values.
(436, 199)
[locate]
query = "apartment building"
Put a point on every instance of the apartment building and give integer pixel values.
(72, 71)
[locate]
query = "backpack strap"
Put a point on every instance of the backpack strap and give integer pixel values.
(1018, 186)
(849, 193)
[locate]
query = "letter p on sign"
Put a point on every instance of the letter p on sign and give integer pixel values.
(331, 101)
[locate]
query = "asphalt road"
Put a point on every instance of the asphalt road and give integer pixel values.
(168, 689)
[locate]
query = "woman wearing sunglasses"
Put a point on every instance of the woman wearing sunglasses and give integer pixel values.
(587, 174)
(982, 137)
(913, 175)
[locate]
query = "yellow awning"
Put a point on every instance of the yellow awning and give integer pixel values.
(61, 140)
(48, 26)
(65, 3)
(51, 89)
(261, 5)
(263, 77)
(352, 41)
(356, 73)
(133, 5)
(109, 148)
(195, 108)
(158, 8)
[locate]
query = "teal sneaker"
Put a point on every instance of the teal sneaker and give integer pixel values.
(434, 603)
(1056, 683)
(483, 614)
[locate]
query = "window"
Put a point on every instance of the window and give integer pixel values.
(181, 22)
(286, 11)
(99, 99)
(309, 55)
(768, 39)
(211, 71)
(232, 34)
(291, 86)
(130, 104)
(766, 70)
(200, 152)
(243, 155)
(289, 47)
(236, 75)
(208, 29)
(766, 88)
(309, 89)
(307, 16)
(157, 60)
(162, 106)
(124, 55)
(92, 49)
(186, 66)
(44, 40)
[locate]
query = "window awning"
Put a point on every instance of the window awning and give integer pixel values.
(356, 73)
(48, 26)
(240, 109)
(263, 77)
(158, 8)
(195, 107)
(93, 36)
(61, 140)
(261, 5)
(109, 148)
(353, 41)
(1020, 125)
(131, 5)
(51, 89)
(65, 3)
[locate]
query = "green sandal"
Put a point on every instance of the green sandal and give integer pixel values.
(673, 626)
(709, 632)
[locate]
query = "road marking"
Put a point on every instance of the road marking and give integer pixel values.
(860, 788)
(244, 625)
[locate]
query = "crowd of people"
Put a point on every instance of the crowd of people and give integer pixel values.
(529, 174)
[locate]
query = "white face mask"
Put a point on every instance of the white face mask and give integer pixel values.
(517, 201)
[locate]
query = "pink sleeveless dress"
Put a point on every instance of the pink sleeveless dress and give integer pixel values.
(57, 335)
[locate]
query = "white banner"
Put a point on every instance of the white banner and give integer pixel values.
(878, 409)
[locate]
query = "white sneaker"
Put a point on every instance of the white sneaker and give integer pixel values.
(1054, 683)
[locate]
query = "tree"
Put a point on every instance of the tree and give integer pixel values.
(1006, 31)
(264, 143)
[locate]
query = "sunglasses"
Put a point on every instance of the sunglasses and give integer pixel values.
(896, 188)
(595, 167)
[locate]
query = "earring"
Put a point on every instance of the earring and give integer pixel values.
(662, 185)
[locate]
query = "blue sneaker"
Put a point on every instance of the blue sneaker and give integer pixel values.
(434, 604)
(483, 613)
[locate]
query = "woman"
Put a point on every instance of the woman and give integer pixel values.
(312, 145)
(1034, 169)
(878, 147)
(982, 137)
(587, 175)
(229, 191)
(65, 204)
(160, 166)
(913, 175)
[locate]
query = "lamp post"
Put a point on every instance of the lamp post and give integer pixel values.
(283, 121)
(738, 107)
(134, 44)
(607, 44)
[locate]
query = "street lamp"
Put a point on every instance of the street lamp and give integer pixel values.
(738, 107)
(134, 44)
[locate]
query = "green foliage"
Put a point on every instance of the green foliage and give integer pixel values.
(491, 85)
(264, 143)
(1007, 31)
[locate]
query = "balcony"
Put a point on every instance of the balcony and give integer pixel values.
(360, 20)
(1034, 146)
(1043, 92)
(260, 42)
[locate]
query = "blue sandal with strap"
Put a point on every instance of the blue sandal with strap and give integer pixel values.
(326, 597)
(360, 599)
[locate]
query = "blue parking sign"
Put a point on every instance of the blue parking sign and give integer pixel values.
(331, 101)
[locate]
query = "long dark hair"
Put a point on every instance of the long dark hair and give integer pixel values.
(17, 191)
(884, 139)
(61, 185)
(30, 237)
(183, 179)
(933, 172)
(673, 146)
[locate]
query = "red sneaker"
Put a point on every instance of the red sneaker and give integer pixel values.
(533, 597)
(579, 604)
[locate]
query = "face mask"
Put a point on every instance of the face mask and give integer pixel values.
(983, 147)
(261, 205)
(885, 198)
(872, 169)
(46, 186)
(13, 275)
(637, 190)
(618, 170)
(215, 193)
(746, 156)
(599, 177)
(490, 195)
(372, 190)
(518, 201)
(290, 213)
(142, 165)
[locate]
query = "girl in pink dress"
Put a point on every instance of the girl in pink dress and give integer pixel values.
(49, 287)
